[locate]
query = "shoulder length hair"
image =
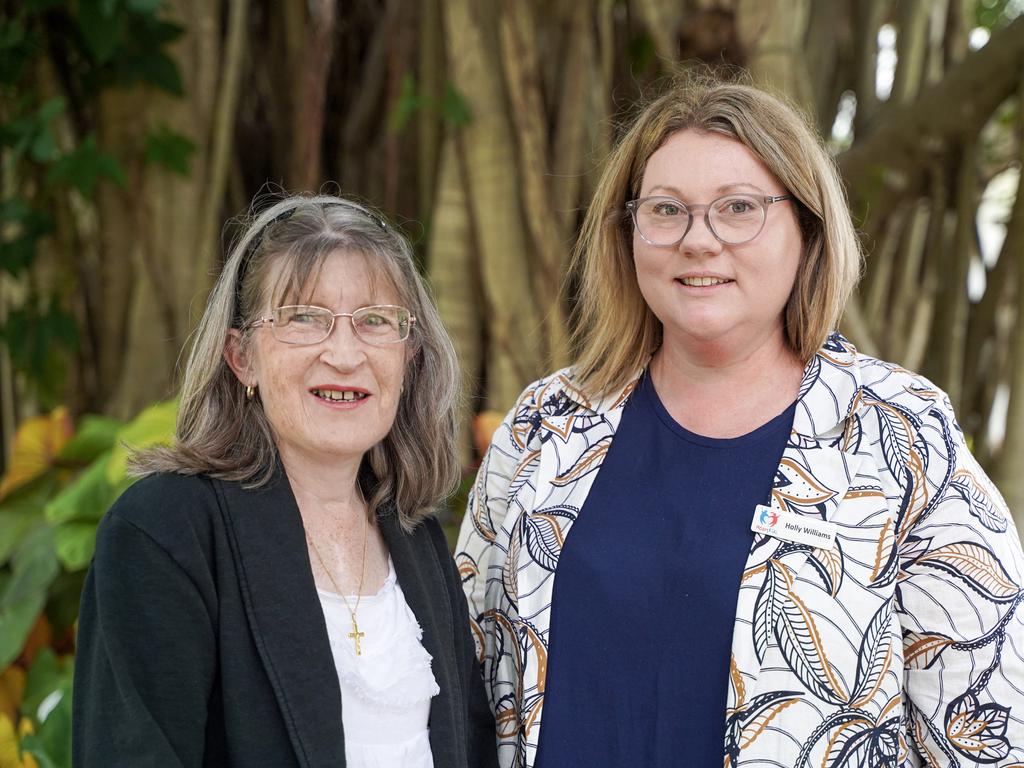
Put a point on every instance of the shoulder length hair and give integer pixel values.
(612, 326)
(224, 434)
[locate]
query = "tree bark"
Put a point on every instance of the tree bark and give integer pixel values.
(774, 35)
(493, 184)
(455, 277)
(523, 79)
(305, 167)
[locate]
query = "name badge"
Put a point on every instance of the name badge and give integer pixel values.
(788, 526)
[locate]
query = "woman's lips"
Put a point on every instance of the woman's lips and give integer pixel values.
(342, 398)
(703, 284)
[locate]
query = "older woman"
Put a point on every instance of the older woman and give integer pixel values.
(276, 592)
(724, 533)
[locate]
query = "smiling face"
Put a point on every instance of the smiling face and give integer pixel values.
(702, 290)
(335, 399)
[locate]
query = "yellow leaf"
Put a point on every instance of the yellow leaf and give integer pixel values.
(12, 688)
(9, 756)
(36, 443)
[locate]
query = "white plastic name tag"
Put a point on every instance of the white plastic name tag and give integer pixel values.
(788, 526)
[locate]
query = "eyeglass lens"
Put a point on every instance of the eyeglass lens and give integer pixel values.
(311, 325)
(733, 219)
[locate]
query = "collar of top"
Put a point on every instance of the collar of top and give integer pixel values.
(827, 392)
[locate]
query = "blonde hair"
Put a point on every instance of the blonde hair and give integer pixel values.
(612, 326)
(224, 434)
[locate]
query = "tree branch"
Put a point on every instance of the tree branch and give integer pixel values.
(897, 153)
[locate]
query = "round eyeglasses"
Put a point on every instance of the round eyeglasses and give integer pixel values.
(733, 219)
(301, 324)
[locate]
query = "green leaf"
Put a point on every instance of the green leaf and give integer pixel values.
(95, 435)
(148, 7)
(16, 622)
(63, 601)
(46, 675)
(34, 567)
(101, 28)
(31, 496)
(405, 105)
(160, 70)
(83, 167)
(75, 544)
(32, 744)
(169, 149)
(13, 526)
(454, 108)
(153, 426)
(38, 340)
(640, 53)
(21, 228)
(50, 745)
(16, 50)
(87, 498)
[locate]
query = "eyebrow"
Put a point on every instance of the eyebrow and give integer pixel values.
(724, 189)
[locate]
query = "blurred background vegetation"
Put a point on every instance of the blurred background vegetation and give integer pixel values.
(131, 130)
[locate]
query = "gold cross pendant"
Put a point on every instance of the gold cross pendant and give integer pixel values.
(356, 635)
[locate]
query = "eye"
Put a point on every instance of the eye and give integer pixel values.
(302, 316)
(736, 206)
(667, 209)
(372, 320)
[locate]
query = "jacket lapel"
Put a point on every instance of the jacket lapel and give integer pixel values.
(812, 480)
(421, 576)
(285, 616)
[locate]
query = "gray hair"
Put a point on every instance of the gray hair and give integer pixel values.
(224, 434)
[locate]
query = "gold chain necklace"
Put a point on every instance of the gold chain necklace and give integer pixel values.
(355, 634)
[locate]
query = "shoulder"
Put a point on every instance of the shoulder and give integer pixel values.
(888, 384)
(167, 508)
(562, 394)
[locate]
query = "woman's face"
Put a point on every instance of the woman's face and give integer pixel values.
(301, 387)
(703, 290)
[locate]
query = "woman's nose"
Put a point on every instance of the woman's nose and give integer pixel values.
(700, 239)
(343, 348)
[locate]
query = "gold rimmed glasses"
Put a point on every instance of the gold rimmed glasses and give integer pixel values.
(302, 324)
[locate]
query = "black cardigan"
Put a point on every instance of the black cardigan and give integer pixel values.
(202, 642)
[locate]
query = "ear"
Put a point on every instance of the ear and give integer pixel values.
(237, 358)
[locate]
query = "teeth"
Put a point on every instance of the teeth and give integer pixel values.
(346, 395)
(702, 282)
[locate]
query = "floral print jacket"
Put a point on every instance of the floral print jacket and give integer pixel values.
(902, 645)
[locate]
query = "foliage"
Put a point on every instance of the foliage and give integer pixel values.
(452, 107)
(47, 142)
(60, 483)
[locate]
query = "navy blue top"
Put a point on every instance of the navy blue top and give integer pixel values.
(645, 593)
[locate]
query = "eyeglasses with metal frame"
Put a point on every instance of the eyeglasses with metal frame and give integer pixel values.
(304, 324)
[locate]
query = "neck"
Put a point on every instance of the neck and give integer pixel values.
(325, 487)
(726, 388)
(724, 360)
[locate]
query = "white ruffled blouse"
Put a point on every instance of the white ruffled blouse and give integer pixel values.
(385, 691)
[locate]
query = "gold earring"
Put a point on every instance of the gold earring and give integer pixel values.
(250, 391)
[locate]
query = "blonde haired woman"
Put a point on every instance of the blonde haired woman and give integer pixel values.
(276, 591)
(724, 533)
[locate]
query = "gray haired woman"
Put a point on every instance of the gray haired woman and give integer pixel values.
(275, 590)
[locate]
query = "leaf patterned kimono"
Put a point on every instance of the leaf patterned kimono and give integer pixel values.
(902, 645)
